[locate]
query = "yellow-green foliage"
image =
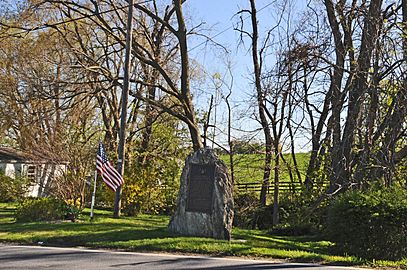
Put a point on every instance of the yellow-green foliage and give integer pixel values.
(45, 209)
(12, 189)
(152, 175)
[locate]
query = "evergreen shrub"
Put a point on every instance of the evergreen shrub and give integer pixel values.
(371, 225)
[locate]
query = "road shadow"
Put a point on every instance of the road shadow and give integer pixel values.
(205, 264)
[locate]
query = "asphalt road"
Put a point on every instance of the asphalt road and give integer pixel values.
(36, 257)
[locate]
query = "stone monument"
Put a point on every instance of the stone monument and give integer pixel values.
(205, 199)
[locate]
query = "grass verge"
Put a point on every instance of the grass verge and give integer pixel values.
(149, 233)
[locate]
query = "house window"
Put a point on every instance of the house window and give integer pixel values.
(31, 170)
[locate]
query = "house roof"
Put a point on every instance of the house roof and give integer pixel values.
(8, 154)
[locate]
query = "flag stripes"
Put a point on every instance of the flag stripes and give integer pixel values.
(109, 174)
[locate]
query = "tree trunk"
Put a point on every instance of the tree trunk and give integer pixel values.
(276, 212)
(185, 85)
(335, 88)
(404, 3)
(230, 143)
(342, 156)
(261, 105)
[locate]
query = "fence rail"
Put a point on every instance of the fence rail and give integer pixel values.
(283, 187)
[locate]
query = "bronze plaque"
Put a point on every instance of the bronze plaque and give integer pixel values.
(200, 188)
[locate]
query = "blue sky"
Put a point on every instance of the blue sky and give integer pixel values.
(220, 18)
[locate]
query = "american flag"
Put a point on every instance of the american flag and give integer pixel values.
(110, 175)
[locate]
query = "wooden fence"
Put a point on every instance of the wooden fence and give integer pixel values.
(283, 187)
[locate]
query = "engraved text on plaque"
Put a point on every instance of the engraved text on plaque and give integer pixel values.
(200, 188)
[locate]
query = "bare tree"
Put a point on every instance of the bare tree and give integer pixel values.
(257, 59)
(108, 18)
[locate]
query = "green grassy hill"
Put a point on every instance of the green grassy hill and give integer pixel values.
(249, 167)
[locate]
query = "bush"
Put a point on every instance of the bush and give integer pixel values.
(45, 209)
(249, 214)
(264, 217)
(371, 224)
(246, 205)
(293, 230)
(297, 216)
(12, 189)
(152, 174)
(150, 189)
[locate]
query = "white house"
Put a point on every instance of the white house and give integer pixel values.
(39, 170)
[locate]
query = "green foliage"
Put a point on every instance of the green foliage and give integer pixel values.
(12, 189)
(246, 205)
(152, 175)
(292, 230)
(249, 214)
(245, 147)
(400, 174)
(264, 217)
(370, 224)
(45, 209)
(297, 216)
(151, 189)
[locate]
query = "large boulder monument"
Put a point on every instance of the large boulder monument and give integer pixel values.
(205, 199)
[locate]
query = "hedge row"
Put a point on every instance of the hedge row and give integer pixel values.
(370, 225)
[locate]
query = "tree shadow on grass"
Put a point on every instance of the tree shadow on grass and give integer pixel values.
(310, 248)
(149, 233)
(158, 239)
(307, 243)
(43, 226)
(105, 237)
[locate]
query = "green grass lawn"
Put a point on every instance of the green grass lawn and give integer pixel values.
(250, 167)
(149, 233)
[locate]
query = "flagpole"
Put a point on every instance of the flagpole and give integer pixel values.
(93, 196)
(125, 97)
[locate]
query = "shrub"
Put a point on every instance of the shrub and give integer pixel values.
(264, 217)
(45, 209)
(371, 224)
(151, 189)
(246, 205)
(248, 213)
(293, 214)
(12, 189)
(293, 230)
(296, 215)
